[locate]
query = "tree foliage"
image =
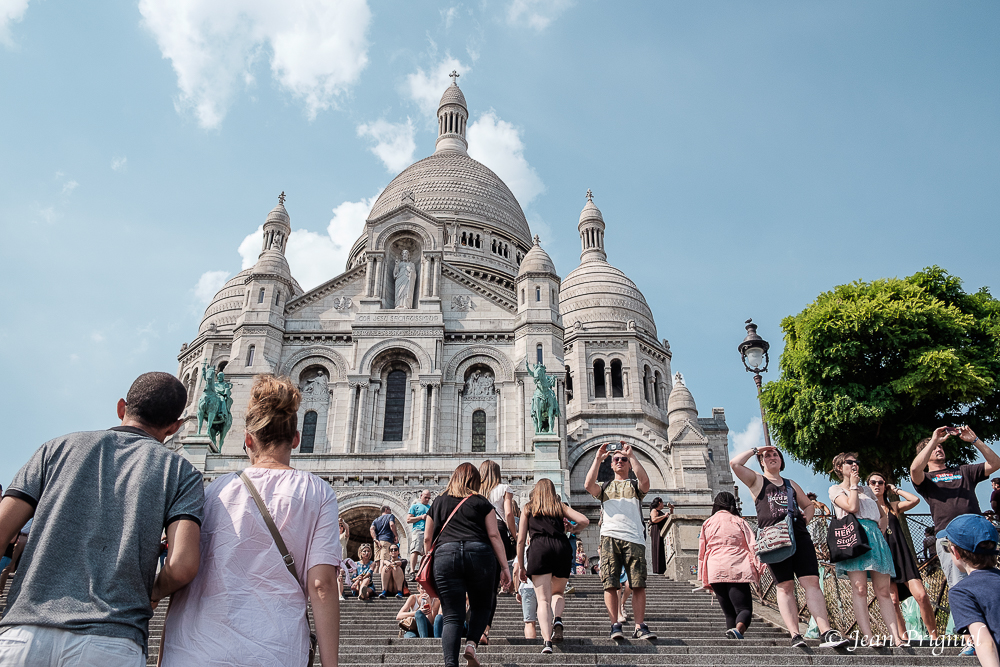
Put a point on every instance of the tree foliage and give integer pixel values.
(875, 367)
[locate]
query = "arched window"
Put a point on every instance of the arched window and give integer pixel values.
(569, 385)
(645, 384)
(538, 353)
(395, 406)
(277, 296)
(617, 390)
(522, 295)
(260, 296)
(250, 356)
(479, 431)
(308, 433)
(656, 389)
(600, 389)
(538, 293)
(222, 366)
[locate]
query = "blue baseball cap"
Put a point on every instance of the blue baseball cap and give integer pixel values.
(968, 531)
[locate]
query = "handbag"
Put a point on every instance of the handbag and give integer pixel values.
(846, 539)
(509, 545)
(425, 576)
(776, 543)
(283, 550)
(408, 624)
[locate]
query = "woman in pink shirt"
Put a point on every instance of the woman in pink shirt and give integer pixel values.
(245, 607)
(728, 563)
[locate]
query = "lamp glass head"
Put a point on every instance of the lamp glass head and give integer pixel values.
(755, 357)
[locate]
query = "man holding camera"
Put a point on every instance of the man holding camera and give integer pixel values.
(950, 492)
(623, 538)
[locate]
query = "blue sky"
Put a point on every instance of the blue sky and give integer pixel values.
(746, 157)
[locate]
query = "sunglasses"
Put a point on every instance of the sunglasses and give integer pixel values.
(876, 482)
(851, 462)
(619, 459)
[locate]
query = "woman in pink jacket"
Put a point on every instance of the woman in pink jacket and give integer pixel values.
(728, 563)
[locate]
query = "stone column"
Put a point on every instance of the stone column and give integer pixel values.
(359, 421)
(422, 419)
(459, 422)
(432, 439)
(608, 391)
(626, 389)
(499, 413)
(351, 414)
(520, 416)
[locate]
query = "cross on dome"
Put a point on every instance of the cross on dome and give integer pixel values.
(538, 241)
(590, 195)
(454, 77)
(281, 198)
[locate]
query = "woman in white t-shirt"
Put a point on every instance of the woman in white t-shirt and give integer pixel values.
(848, 498)
(502, 498)
(245, 607)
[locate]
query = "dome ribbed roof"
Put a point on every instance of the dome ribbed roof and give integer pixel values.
(279, 214)
(450, 183)
(597, 293)
(453, 95)
(680, 399)
(536, 261)
(591, 212)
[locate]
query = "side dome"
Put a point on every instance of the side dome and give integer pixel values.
(226, 305)
(450, 184)
(453, 95)
(680, 399)
(596, 294)
(536, 261)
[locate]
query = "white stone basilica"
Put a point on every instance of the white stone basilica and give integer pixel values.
(413, 359)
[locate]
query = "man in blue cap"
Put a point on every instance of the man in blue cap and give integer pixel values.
(975, 601)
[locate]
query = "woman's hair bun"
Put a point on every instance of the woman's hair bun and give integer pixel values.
(272, 415)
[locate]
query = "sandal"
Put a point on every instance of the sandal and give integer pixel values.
(470, 655)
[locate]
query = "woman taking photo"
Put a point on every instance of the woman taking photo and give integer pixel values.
(245, 607)
(423, 609)
(771, 499)
(465, 560)
(848, 498)
(907, 582)
(728, 563)
(656, 519)
(550, 557)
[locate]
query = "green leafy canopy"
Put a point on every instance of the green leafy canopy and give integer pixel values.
(875, 367)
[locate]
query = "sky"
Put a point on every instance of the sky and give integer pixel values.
(746, 157)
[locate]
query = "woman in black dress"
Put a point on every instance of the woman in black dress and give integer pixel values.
(907, 581)
(657, 517)
(550, 557)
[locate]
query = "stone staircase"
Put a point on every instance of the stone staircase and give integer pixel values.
(690, 627)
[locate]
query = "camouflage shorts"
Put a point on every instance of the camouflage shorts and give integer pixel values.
(616, 554)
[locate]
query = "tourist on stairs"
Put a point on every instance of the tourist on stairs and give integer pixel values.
(361, 584)
(550, 556)
(422, 608)
(770, 493)
(657, 518)
(623, 537)
(392, 574)
(907, 582)
(848, 498)
(465, 559)
(247, 606)
(502, 498)
(728, 563)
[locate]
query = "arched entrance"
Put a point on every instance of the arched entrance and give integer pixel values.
(359, 519)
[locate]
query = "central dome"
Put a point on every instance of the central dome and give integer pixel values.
(450, 183)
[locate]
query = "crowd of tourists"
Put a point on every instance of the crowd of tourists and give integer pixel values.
(243, 559)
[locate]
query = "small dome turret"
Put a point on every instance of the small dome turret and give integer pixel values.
(536, 261)
(453, 115)
(591, 231)
(681, 400)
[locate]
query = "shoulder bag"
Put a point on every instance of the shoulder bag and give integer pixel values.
(776, 543)
(846, 538)
(425, 576)
(283, 550)
(509, 545)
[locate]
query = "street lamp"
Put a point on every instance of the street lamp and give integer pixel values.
(753, 350)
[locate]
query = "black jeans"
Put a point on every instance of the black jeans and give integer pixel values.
(736, 603)
(462, 568)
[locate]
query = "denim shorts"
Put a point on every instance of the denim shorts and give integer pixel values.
(529, 604)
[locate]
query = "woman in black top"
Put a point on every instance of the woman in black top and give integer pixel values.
(467, 555)
(550, 557)
(907, 582)
(656, 519)
(771, 498)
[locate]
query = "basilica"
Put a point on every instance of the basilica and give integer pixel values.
(416, 357)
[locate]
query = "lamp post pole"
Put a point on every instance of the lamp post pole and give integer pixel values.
(753, 350)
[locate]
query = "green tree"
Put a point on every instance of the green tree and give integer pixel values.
(875, 367)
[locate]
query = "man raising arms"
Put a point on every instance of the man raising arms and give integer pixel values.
(109, 494)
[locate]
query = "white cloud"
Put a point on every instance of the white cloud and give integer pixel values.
(314, 257)
(209, 285)
(448, 16)
(751, 436)
(317, 48)
(497, 144)
(11, 11)
(394, 143)
(425, 88)
(537, 14)
(119, 163)
(69, 186)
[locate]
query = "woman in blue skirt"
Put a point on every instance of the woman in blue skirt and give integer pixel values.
(848, 498)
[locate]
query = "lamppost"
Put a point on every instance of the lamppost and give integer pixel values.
(753, 350)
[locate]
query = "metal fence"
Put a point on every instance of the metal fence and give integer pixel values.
(838, 591)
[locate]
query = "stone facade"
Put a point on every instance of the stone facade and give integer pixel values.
(395, 395)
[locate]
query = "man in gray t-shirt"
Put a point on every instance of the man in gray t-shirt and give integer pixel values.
(100, 501)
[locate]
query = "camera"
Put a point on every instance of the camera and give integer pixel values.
(614, 447)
